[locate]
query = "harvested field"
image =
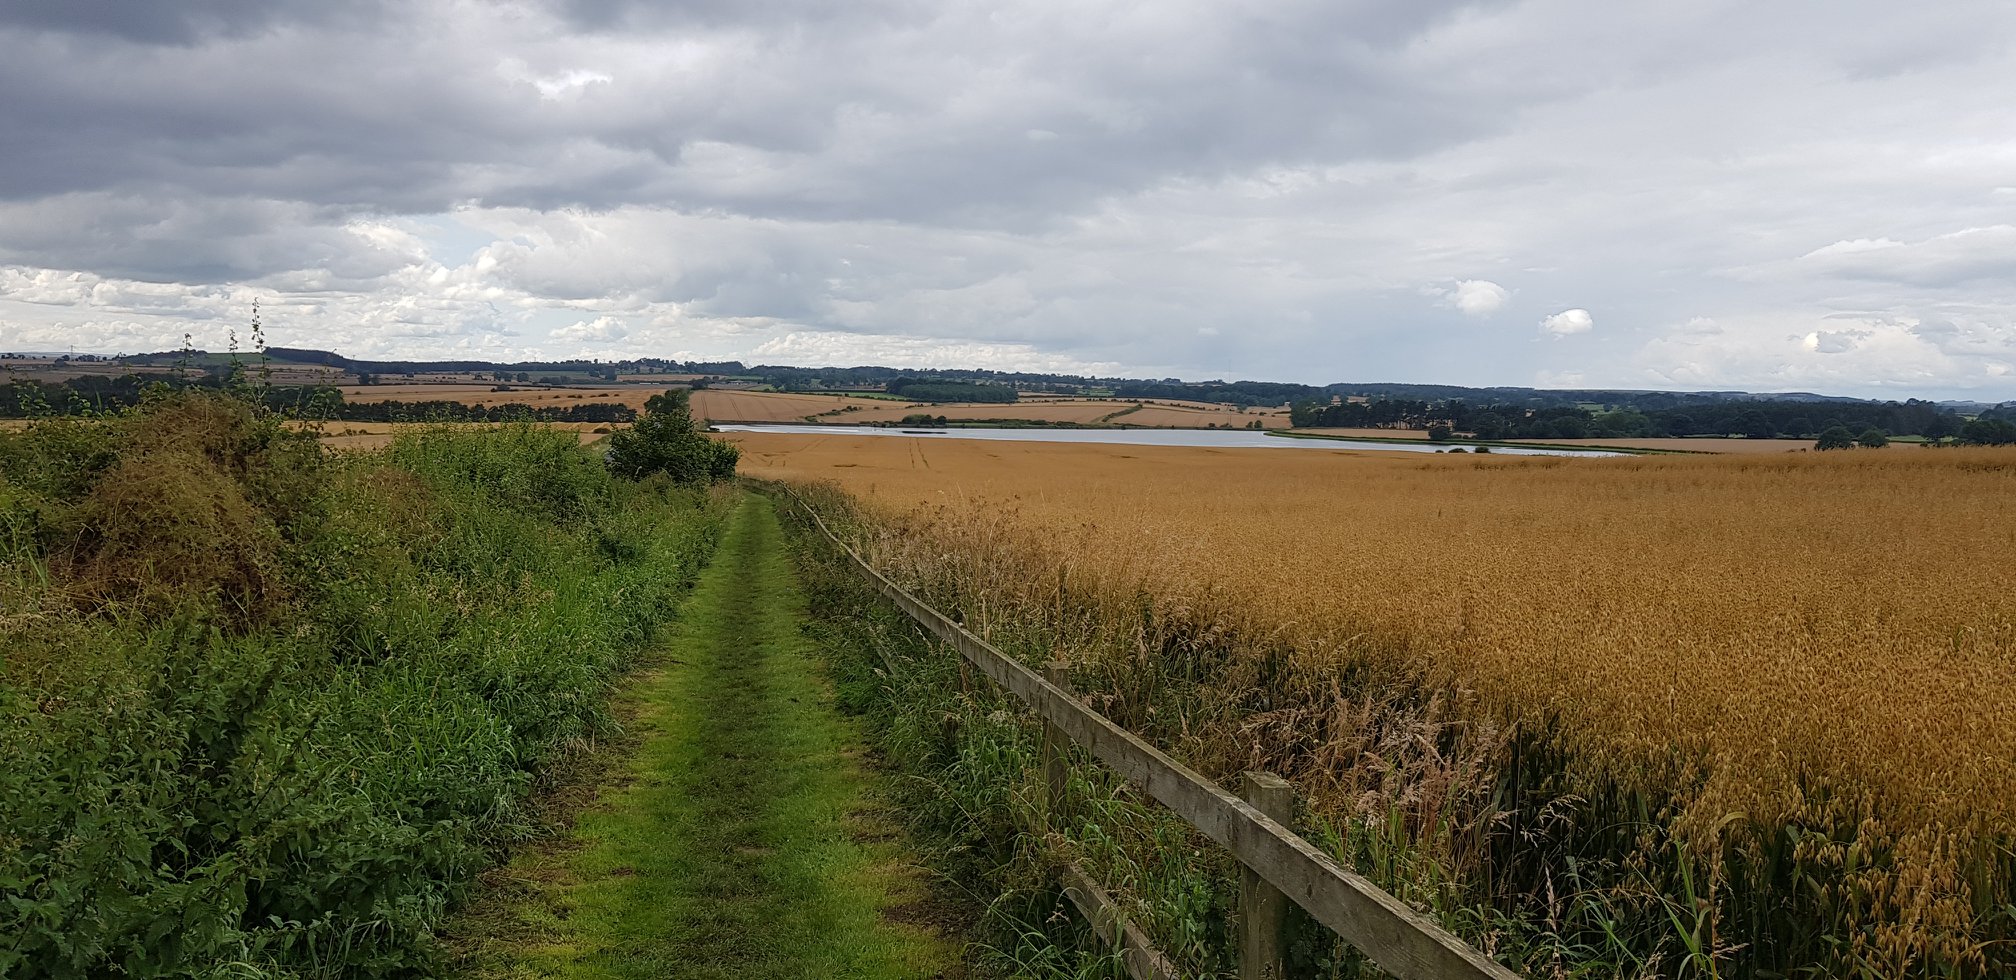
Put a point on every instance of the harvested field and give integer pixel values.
(731, 405)
(1802, 668)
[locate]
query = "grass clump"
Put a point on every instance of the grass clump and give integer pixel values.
(266, 711)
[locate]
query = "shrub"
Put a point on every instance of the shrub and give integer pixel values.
(666, 440)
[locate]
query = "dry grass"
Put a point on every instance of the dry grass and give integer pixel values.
(1820, 641)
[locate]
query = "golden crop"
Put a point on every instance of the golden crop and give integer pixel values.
(1823, 641)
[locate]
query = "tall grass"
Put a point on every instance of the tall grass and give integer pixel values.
(266, 711)
(1716, 717)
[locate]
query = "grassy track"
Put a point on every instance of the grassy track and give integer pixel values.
(741, 838)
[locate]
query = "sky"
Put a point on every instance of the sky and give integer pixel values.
(1815, 196)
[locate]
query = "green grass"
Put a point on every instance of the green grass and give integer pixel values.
(267, 711)
(742, 837)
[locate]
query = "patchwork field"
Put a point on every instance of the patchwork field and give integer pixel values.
(1818, 645)
(731, 405)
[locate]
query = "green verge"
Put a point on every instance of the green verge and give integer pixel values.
(267, 710)
(972, 794)
(742, 836)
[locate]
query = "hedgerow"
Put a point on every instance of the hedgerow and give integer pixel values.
(265, 710)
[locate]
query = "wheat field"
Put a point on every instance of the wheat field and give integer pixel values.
(1824, 642)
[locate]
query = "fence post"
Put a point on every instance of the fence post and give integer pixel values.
(1263, 910)
(1055, 772)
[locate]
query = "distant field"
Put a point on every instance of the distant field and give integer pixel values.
(1812, 647)
(482, 394)
(49, 370)
(760, 406)
(731, 405)
(1083, 411)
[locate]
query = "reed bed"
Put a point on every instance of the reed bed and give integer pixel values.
(1739, 716)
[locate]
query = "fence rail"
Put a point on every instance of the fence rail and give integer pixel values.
(1401, 941)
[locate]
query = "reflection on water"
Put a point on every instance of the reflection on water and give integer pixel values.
(1211, 438)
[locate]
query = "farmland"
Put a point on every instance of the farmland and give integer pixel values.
(630, 396)
(1777, 685)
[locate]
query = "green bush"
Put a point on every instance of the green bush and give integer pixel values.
(666, 440)
(266, 712)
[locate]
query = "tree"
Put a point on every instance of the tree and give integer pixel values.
(1872, 438)
(1755, 425)
(1439, 432)
(1985, 431)
(666, 440)
(1837, 437)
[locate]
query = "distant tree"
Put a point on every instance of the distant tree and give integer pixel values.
(1439, 433)
(1754, 424)
(1988, 432)
(366, 378)
(1837, 437)
(1941, 427)
(1872, 438)
(1799, 427)
(523, 378)
(666, 439)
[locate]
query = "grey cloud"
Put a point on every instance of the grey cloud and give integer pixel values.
(1285, 190)
(176, 22)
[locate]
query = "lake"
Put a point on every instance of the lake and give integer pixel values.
(1208, 438)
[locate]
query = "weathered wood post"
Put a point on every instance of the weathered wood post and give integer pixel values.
(1263, 910)
(1056, 773)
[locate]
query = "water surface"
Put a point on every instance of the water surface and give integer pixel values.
(1209, 438)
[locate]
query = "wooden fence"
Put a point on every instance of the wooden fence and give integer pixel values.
(1276, 863)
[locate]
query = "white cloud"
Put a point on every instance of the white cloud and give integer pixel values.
(1477, 297)
(1567, 322)
(1941, 260)
(600, 328)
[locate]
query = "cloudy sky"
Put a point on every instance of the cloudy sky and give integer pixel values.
(1786, 195)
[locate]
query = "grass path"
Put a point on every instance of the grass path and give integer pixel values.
(739, 837)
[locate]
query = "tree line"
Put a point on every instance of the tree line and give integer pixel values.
(1746, 419)
(97, 395)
